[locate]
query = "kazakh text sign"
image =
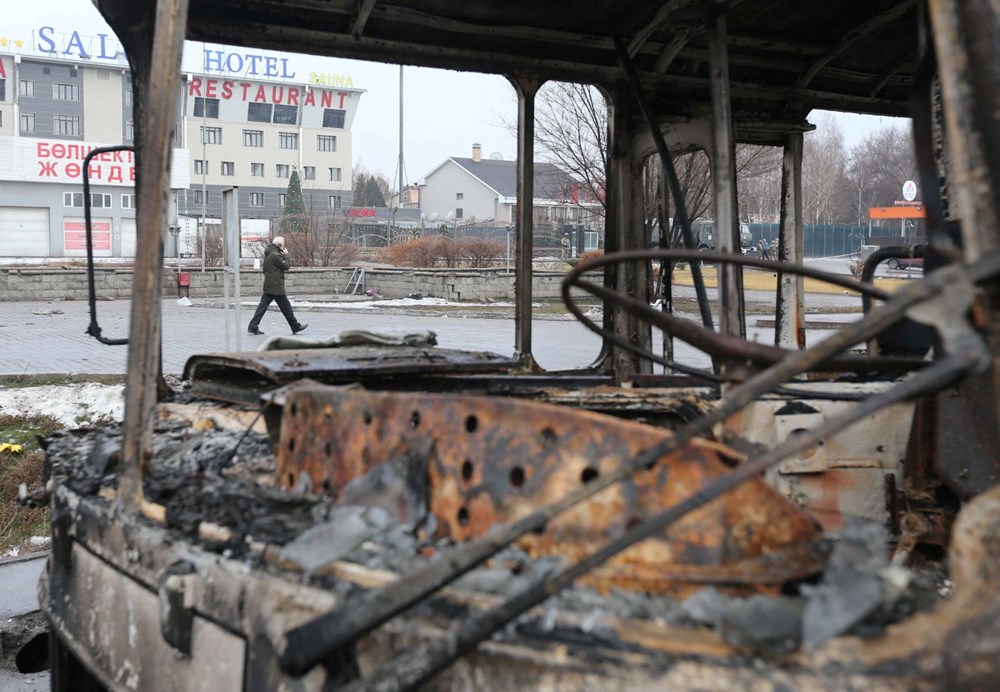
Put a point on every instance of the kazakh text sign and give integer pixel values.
(61, 161)
(261, 93)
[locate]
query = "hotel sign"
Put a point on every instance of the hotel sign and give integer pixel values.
(75, 45)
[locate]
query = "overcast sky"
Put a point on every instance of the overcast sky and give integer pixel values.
(445, 112)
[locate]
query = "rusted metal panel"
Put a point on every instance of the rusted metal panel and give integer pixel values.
(496, 460)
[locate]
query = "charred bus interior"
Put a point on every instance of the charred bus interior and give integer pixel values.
(379, 515)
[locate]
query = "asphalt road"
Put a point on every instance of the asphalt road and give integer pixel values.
(49, 337)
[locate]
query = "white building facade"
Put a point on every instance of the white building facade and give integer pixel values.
(483, 192)
(70, 96)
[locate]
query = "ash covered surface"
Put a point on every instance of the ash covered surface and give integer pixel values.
(227, 479)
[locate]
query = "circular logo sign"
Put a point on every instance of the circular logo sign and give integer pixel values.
(909, 190)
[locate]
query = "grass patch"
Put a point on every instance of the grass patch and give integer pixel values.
(757, 280)
(18, 523)
(57, 379)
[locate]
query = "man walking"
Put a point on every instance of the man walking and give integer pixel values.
(276, 263)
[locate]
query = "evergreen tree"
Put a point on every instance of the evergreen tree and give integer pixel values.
(293, 219)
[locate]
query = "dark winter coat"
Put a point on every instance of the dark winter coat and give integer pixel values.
(275, 266)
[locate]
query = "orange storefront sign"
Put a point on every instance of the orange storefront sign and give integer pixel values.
(900, 212)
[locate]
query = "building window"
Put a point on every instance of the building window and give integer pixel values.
(198, 197)
(200, 166)
(459, 195)
(286, 115)
(66, 125)
(259, 112)
(309, 172)
(253, 138)
(72, 199)
(281, 170)
(128, 201)
(257, 170)
(206, 108)
(129, 131)
(326, 143)
(128, 97)
(333, 117)
(66, 92)
(256, 199)
(281, 199)
(335, 175)
(27, 123)
(211, 135)
(26, 87)
(100, 200)
(228, 168)
(288, 140)
(458, 213)
(335, 201)
(3, 89)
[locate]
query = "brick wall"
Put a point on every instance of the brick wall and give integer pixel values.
(22, 284)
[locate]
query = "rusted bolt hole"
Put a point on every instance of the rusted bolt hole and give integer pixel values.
(517, 476)
(463, 516)
(295, 409)
(415, 420)
(471, 423)
(326, 485)
(367, 417)
(467, 470)
(802, 432)
(329, 449)
(291, 444)
(549, 436)
(632, 522)
(291, 480)
(589, 474)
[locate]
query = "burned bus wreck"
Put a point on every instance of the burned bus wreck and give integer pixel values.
(370, 515)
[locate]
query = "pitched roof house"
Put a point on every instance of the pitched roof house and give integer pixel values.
(461, 191)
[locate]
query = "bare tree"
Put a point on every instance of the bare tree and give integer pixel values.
(880, 164)
(825, 188)
(571, 131)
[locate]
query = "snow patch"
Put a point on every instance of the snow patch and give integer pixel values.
(72, 405)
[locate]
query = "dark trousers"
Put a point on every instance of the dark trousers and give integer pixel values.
(283, 305)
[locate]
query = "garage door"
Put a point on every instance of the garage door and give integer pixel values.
(24, 232)
(127, 239)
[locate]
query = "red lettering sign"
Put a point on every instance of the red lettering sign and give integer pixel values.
(361, 212)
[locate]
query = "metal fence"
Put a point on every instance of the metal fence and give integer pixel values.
(834, 240)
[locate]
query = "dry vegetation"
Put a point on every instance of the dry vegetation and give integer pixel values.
(438, 251)
(18, 523)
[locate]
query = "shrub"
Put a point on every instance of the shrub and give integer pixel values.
(480, 253)
(421, 252)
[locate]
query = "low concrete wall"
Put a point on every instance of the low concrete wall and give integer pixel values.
(22, 284)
